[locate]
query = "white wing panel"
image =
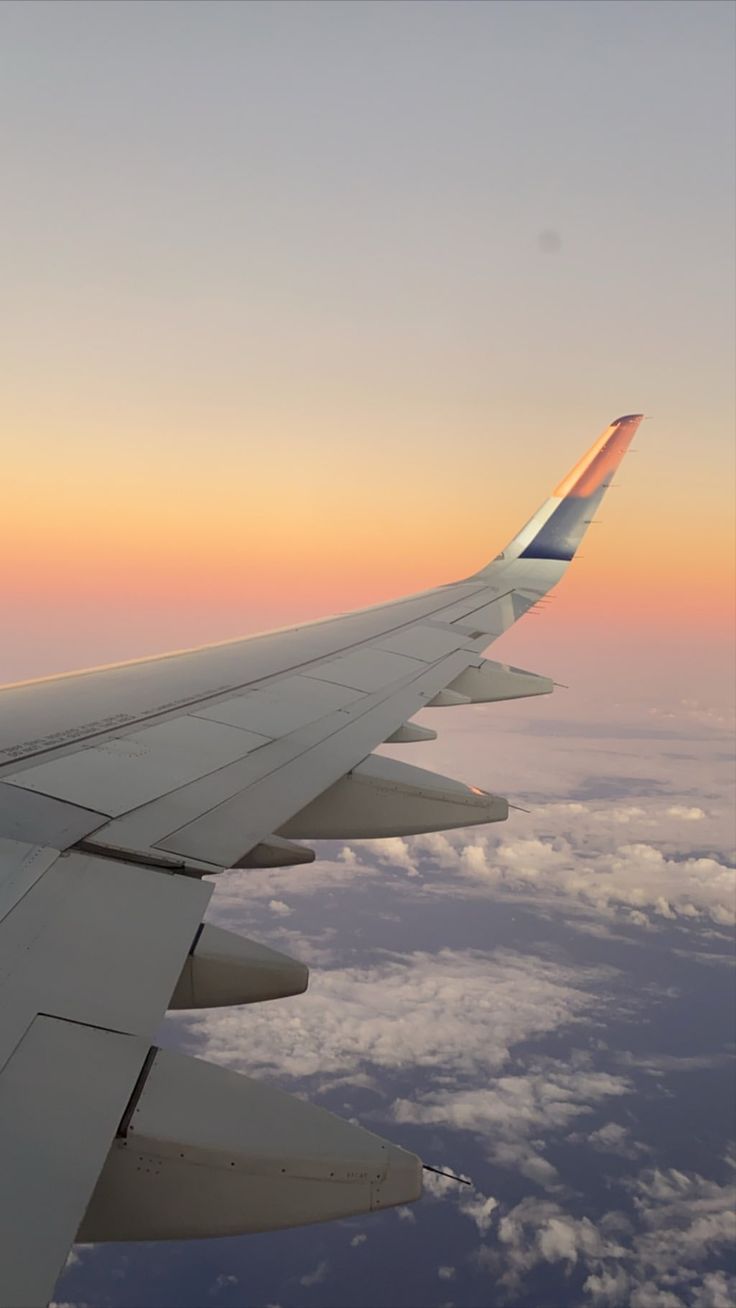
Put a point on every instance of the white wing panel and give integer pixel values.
(36, 819)
(21, 865)
(366, 669)
(99, 942)
(124, 773)
(423, 642)
(281, 706)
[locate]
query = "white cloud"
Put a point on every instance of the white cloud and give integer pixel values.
(393, 850)
(512, 1111)
(359, 1239)
(320, 1274)
(540, 1231)
(583, 863)
(685, 1217)
(649, 1295)
(683, 1221)
(611, 1138)
(718, 1290)
(480, 1208)
(608, 1288)
(446, 1273)
(279, 907)
(471, 1203)
(222, 1282)
(460, 1011)
(686, 814)
(660, 1064)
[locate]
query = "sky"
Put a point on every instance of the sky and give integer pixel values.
(310, 305)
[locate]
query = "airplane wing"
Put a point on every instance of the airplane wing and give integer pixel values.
(120, 788)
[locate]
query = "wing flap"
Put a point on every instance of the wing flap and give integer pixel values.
(281, 706)
(210, 1152)
(62, 1094)
(367, 669)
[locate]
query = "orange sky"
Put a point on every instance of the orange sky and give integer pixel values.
(111, 557)
(141, 527)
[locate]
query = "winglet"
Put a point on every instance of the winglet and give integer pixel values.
(557, 528)
(596, 468)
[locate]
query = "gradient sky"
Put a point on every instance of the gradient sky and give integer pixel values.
(307, 305)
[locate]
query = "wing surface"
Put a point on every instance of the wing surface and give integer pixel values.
(119, 788)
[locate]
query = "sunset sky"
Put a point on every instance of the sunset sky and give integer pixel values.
(308, 305)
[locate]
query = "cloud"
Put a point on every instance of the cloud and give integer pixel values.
(682, 1221)
(717, 1290)
(588, 864)
(359, 1239)
(278, 906)
(320, 1274)
(446, 1273)
(685, 1217)
(607, 1288)
(649, 1295)
(513, 1111)
(471, 1203)
(479, 1208)
(539, 1231)
(663, 1064)
(395, 851)
(459, 1011)
(222, 1282)
(611, 1138)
